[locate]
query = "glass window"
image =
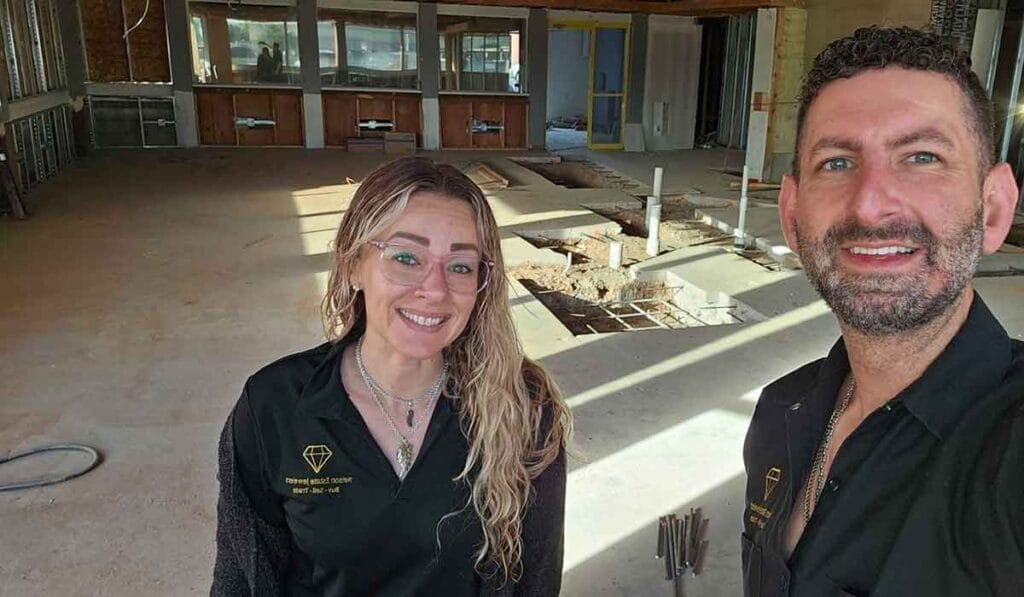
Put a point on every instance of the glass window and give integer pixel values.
(480, 54)
(244, 44)
(368, 49)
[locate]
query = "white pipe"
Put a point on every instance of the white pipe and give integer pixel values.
(615, 254)
(658, 175)
(653, 219)
(741, 228)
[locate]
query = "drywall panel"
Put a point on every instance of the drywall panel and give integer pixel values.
(761, 83)
(568, 65)
(671, 83)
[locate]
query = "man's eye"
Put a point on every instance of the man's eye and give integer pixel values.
(924, 157)
(835, 164)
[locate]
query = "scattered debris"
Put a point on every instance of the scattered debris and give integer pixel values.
(485, 177)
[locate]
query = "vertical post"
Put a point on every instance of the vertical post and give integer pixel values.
(179, 46)
(658, 174)
(309, 66)
(740, 242)
(430, 75)
(74, 66)
(653, 221)
(615, 254)
(537, 75)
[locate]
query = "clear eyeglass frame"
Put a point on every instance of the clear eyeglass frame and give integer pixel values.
(484, 278)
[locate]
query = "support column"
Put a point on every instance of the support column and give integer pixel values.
(537, 75)
(179, 43)
(430, 76)
(309, 65)
(637, 69)
(74, 67)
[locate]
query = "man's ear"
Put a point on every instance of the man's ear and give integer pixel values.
(999, 200)
(787, 210)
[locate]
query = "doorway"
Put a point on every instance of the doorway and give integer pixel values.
(587, 74)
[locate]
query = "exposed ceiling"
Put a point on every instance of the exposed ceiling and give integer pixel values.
(670, 7)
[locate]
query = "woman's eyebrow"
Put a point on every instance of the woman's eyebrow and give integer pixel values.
(422, 240)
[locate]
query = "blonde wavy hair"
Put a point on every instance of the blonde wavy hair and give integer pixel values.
(502, 394)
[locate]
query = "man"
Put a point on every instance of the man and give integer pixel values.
(265, 65)
(895, 466)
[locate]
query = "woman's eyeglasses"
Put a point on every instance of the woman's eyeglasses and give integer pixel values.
(464, 273)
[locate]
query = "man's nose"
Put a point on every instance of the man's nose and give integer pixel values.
(876, 198)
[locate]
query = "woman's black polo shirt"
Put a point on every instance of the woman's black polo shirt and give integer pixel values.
(308, 461)
(923, 498)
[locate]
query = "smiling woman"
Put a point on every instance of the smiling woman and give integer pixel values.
(418, 451)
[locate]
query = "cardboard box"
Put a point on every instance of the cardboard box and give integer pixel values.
(371, 145)
(399, 142)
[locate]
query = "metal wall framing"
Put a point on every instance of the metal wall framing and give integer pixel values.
(44, 144)
(738, 68)
(34, 55)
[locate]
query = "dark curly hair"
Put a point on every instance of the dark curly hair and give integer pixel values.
(877, 47)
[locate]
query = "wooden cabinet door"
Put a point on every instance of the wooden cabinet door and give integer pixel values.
(339, 118)
(515, 124)
(288, 116)
(216, 115)
(455, 116)
(407, 114)
(258, 106)
(376, 107)
(492, 111)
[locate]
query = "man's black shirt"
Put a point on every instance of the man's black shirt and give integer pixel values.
(923, 498)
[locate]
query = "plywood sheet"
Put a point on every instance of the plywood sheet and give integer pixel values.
(455, 116)
(339, 118)
(106, 53)
(216, 116)
(147, 45)
(288, 115)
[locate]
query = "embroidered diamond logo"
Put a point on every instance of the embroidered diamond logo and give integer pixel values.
(317, 456)
(771, 480)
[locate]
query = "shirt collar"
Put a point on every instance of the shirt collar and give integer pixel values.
(973, 364)
(323, 395)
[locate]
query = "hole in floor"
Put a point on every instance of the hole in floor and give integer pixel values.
(579, 175)
(648, 307)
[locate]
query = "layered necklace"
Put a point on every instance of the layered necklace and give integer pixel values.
(816, 482)
(404, 455)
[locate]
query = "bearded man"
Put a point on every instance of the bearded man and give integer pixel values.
(895, 465)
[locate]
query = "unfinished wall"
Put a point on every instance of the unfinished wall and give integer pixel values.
(828, 20)
(111, 58)
(787, 80)
(672, 82)
(568, 78)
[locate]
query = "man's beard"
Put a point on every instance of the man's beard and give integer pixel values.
(886, 304)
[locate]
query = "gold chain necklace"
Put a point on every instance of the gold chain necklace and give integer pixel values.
(815, 481)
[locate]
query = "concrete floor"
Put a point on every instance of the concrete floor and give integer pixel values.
(149, 285)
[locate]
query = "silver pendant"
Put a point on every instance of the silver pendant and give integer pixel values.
(404, 458)
(409, 417)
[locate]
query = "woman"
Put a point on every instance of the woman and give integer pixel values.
(418, 452)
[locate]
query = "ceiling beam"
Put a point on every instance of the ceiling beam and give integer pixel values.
(676, 7)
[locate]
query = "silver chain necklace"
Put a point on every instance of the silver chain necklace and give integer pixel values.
(404, 454)
(410, 403)
(815, 483)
